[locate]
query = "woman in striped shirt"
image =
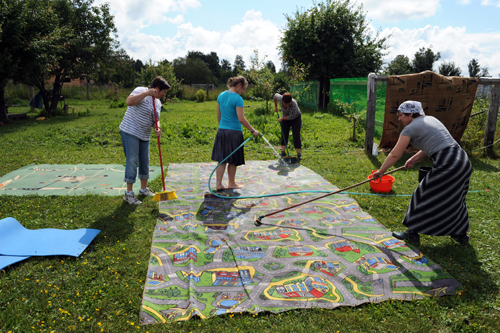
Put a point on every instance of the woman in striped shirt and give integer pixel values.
(135, 131)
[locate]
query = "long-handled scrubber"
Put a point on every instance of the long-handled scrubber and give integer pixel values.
(258, 220)
(165, 195)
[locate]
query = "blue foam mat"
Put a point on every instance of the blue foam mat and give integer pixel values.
(16, 240)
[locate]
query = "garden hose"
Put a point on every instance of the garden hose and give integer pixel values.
(254, 196)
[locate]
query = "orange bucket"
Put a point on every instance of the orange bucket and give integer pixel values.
(382, 185)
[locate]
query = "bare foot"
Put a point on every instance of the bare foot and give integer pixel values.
(235, 186)
(221, 188)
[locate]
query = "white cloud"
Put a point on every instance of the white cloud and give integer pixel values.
(453, 43)
(241, 39)
(131, 15)
(398, 10)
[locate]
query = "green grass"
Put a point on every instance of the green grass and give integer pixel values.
(102, 289)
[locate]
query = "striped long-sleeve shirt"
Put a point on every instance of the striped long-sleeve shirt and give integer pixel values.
(139, 118)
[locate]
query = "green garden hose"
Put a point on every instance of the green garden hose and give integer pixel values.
(254, 196)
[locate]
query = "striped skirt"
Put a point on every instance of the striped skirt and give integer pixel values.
(226, 141)
(438, 206)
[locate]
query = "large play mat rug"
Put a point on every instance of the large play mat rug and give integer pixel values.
(208, 258)
(80, 179)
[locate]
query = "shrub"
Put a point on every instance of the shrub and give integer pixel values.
(200, 96)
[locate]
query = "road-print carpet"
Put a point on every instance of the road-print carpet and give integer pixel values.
(67, 179)
(208, 258)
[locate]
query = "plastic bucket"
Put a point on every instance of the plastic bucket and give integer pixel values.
(422, 172)
(382, 185)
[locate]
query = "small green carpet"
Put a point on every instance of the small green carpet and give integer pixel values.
(64, 179)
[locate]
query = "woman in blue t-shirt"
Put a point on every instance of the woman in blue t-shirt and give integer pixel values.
(231, 119)
(437, 206)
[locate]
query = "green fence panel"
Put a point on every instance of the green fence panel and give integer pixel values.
(353, 90)
(306, 93)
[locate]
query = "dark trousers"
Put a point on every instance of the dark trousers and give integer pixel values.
(296, 125)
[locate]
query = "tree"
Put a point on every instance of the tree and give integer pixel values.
(334, 39)
(399, 66)
(120, 70)
(238, 65)
(164, 69)
(424, 60)
(449, 69)
(262, 78)
(138, 66)
(476, 71)
(211, 60)
(191, 70)
(225, 65)
(473, 67)
(83, 49)
(29, 38)
(271, 66)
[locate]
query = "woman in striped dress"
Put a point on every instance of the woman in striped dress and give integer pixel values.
(437, 206)
(135, 130)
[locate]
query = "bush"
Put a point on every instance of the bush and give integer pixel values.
(474, 133)
(200, 96)
(117, 104)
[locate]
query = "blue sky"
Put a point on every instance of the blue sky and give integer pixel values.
(166, 29)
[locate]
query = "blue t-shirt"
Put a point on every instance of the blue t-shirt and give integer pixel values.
(228, 102)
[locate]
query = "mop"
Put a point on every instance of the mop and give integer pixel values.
(165, 195)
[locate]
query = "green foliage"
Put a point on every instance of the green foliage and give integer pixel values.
(262, 78)
(334, 38)
(474, 133)
(191, 71)
(400, 65)
(238, 65)
(476, 71)
(424, 60)
(449, 69)
(163, 68)
(118, 104)
(200, 96)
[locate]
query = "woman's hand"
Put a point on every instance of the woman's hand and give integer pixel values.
(152, 92)
(255, 133)
(158, 131)
(281, 119)
(409, 163)
(377, 175)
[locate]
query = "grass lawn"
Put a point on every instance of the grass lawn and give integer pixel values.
(102, 289)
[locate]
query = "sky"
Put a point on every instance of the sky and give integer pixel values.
(167, 29)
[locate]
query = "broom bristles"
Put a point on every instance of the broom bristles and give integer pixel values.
(165, 195)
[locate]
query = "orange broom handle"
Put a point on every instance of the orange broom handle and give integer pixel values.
(159, 149)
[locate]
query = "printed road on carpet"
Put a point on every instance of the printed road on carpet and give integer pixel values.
(208, 257)
(80, 179)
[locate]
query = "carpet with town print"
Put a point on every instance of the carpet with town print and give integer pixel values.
(208, 258)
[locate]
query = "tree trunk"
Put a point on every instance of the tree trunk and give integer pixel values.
(32, 94)
(56, 91)
(3, 109)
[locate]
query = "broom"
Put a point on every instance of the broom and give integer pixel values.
(165, 195)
